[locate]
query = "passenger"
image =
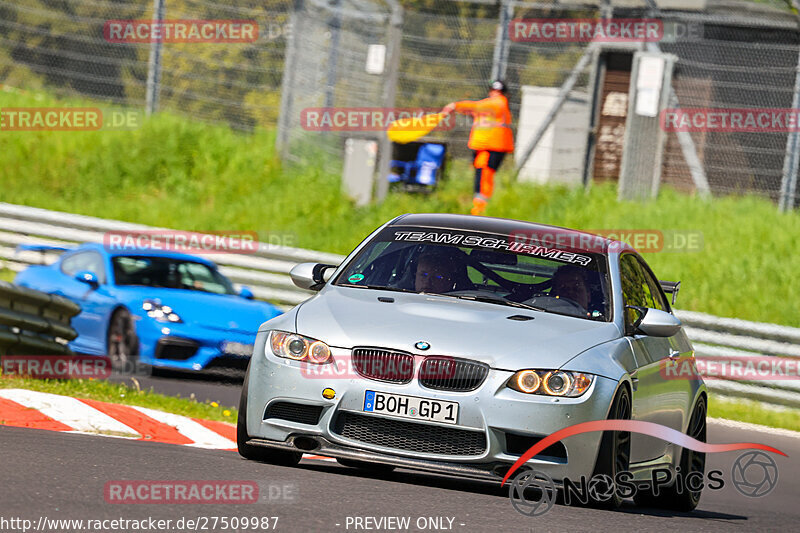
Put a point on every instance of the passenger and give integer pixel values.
(570, 282)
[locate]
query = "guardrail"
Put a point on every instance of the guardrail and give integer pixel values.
(266, 272)
(34, 322)
(731, 339)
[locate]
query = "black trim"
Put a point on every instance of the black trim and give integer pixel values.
(504, 226)
(381, 364)
(294, 412)
(176, 348)
(409, 436)
(517, 444)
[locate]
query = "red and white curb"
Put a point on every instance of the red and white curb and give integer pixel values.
(42, 410)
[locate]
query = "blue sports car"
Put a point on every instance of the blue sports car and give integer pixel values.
(163, 309)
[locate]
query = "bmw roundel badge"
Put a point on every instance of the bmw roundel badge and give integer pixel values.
(422, 345)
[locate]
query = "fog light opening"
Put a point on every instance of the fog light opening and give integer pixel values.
(307, 444)
(502, 469)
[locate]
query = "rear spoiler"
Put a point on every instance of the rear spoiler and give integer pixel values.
(41, 248)
(671, 287)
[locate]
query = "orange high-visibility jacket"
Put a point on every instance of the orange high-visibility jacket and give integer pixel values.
(491, 128)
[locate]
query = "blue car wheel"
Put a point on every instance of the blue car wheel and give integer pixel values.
(123, 345)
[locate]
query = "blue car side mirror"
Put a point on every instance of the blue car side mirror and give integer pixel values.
(246, 293)
(88, 277)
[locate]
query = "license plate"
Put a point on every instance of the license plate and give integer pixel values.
(237, 348)
(411, 407)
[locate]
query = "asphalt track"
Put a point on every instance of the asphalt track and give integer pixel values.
(223, 387)
(62, 475)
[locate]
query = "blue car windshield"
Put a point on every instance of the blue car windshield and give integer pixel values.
(483, 267)
(168, 272)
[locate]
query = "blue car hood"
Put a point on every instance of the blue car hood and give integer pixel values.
(215, 311)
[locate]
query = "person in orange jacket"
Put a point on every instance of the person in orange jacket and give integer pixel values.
(491, 138)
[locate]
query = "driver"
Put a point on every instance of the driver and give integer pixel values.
(569, 282)
(436, 272)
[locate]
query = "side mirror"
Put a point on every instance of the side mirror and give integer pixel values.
(88, 277)
(310, 276)
(246, 293)
(656, 323)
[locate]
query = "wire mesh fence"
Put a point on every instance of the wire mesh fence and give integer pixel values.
(62, 48)
(735, 61)
(312, 54)
(339, 58)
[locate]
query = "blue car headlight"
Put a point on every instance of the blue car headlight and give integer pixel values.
(298, 348)
(550, 382)
(160, 312)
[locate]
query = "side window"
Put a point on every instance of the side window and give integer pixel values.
(659, 301)
(200, 277)
(85, 261)
(635, 289)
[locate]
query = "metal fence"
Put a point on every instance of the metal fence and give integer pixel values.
(315, 53)
(266, 272)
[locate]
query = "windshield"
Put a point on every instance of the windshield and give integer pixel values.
(153, 271)
(483, 267)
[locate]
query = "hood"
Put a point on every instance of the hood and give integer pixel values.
(345, 317)
(224, 312)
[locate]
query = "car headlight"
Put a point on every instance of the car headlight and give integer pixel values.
(550, 382)
(298, 348)
(160, 312)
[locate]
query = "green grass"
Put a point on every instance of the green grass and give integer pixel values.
(178, 173)
(105, 391)
(754, 412)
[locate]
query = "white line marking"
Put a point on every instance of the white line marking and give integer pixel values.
(201, 435)
(69, 411)
(747, 426)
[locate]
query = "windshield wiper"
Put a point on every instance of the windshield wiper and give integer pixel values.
(378, 288)
(485, 299)
(501, 301)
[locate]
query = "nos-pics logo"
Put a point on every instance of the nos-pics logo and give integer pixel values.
(533, 493)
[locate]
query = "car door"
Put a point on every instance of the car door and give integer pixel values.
(95, 303)
(654, 399)
(679, 393)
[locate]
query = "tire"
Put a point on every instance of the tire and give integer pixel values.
(258, 453)
(364, 465)
(615, 450)
(122, 342)
(691, 462)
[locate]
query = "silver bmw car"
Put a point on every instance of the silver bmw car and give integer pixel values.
(453, 344)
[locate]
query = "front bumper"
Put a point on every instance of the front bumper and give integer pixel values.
(188, 346)
(492, 410)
